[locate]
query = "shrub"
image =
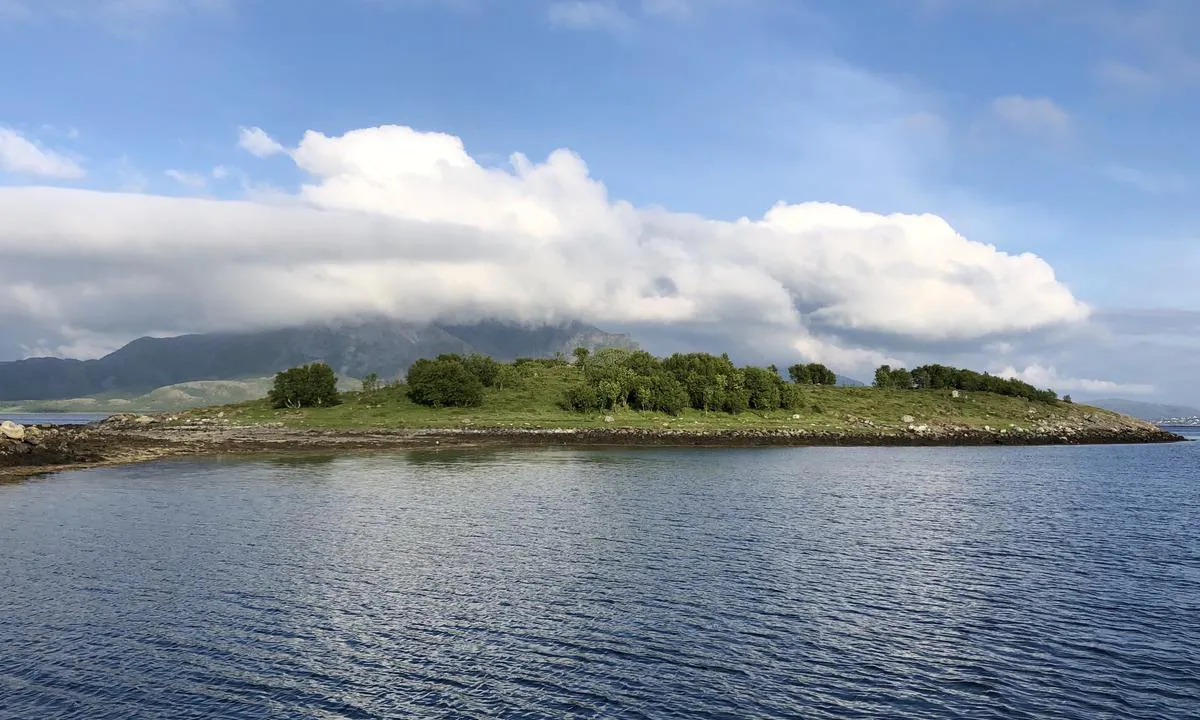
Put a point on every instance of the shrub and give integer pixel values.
(370, 383)
(313, 385)
(444, 382)
(581, 398)
(482, 367)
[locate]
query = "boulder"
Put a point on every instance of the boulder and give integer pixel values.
(12, 431)
(908, 419)
(609, 419)
(33, 435)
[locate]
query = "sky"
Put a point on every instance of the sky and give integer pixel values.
(1006, 185)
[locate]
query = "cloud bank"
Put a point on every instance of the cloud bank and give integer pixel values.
(407, 224)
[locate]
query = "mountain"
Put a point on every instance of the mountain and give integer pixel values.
(353, 349)
(1144, 410)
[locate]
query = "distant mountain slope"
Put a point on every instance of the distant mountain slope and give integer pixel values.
(198, 393)
(353, 349)
(1144, 410)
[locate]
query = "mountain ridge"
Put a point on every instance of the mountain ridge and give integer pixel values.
(1145, 410)
(352, 348)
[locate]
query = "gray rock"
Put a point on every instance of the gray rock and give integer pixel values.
(12, 431)
(908, 419)
(609, 419)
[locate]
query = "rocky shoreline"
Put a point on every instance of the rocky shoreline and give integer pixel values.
(123, 439)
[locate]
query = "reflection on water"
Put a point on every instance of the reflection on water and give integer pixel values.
(819, 583)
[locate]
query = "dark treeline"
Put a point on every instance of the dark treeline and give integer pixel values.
(941, 377)
(615, 378)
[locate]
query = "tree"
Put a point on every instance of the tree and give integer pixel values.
(883, 376)
(370, 383)
(482, 367)
(763, 388)
(799, 374)
(821, 375)
(1067, 399)
(581, 355)
(444, 382)
(313, 385)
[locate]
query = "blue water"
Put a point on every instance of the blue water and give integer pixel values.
(53, 418)
(811, 583)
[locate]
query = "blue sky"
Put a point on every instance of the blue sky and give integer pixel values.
(1059, 128)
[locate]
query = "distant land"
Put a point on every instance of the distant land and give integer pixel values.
(190, 371)
(161, 373)
(1153, 412)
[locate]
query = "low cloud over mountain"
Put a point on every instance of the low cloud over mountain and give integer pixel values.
(407, 224)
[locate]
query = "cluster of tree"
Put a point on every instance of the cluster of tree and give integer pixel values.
(615, 378)
(812, 374)
(941, 377)
(451, 380)
(313, 385)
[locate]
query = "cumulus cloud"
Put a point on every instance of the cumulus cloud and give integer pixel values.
(1048, 377)
(19, 154)
(258, 143)
(407, 224)
(1037, 116)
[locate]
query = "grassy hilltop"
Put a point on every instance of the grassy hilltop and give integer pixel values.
(533, 397)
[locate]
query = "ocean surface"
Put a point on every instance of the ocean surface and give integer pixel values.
(1058, 582)
(52, 418)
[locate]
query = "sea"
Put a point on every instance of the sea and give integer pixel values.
(58, 418)
(1044, 582)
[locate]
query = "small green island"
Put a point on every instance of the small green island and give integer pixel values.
(614, 397)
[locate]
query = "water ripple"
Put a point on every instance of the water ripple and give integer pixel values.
(814, 583)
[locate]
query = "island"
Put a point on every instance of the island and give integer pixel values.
(614, 397)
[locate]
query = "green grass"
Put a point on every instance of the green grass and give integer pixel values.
(534, 404)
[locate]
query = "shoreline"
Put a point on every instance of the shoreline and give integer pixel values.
(126, 440)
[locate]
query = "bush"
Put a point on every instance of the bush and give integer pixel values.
(313, 385)
(444, 382)
(581, 398)
(482, 367)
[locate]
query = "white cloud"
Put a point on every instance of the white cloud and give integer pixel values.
(221, 172)
(589, 14)
(1037, 116)
(407, 224)
(187, 179)
(258, 143)
(1127, 77)
(1048, 377)
(19, 154)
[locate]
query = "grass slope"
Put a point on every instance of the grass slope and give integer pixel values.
(534, 404)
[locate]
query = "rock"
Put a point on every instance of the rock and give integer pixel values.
(908, 419)
(609, 419)
(144, 420)
(33, 436)
(12, 431)
(795, 417)
(955, 394)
